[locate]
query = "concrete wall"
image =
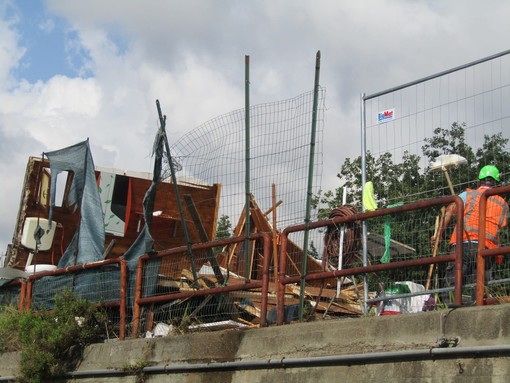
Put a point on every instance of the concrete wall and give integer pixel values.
(373, 349)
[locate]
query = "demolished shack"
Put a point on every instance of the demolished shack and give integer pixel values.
(73, 213)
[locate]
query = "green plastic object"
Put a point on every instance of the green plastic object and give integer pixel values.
(387, 240)
(387, 235)
(489, 171)
(397, 289)
(392, 303)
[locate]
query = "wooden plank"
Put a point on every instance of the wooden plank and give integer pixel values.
(190, 205)
(348, 294)
(189, 275)
(216, 211)
(274, 233)
(237, 232)
(253, 310)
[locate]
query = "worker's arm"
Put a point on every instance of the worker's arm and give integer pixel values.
(451, 211)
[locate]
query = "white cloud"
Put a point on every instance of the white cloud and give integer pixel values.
(47, 25)
(10, 53)
(190, 56)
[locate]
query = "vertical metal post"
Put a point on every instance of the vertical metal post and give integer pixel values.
(162, 120)
(247, 229)
(363, 181)
(310, 184)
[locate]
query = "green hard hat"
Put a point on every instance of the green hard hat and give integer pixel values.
(489, 171)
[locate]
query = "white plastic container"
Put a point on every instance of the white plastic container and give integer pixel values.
(29, 228)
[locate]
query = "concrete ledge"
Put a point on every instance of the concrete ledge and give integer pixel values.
(473, 327)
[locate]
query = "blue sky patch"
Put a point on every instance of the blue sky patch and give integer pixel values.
(44, 36)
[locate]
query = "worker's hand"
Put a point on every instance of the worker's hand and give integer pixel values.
(433, 240)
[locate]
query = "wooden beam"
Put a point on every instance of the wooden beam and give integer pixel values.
(275, 233)
(190, 205)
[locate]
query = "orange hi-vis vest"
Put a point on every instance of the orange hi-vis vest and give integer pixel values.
(495, 218)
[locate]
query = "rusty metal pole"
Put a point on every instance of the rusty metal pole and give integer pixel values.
(482, 252)
(265, 278)
(458, 253)
(138, 294)
(480, 260)
(281, 276)
(122, 304)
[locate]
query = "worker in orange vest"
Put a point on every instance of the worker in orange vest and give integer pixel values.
(496, 219)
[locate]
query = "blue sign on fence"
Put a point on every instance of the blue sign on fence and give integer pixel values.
(385, 115)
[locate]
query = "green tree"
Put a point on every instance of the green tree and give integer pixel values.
(392, 182)
(407, 182)
(223, 230)
(224, 227)
(494, 151)
(449, 141)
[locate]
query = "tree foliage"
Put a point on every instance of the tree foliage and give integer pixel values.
(405, 181)
(224, 227)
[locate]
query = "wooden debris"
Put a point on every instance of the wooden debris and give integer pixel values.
(230, 268)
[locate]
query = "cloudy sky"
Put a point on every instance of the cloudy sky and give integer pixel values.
(76, 69)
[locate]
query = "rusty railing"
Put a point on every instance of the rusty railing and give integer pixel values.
(457, 257)
(482, 251)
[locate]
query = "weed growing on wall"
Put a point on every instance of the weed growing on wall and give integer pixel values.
(9, 329)
(52, 342)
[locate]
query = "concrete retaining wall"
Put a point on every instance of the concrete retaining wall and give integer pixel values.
(373, 349)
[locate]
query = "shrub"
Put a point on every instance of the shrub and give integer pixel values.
(52, 342)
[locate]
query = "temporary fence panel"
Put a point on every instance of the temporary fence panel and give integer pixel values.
(464, 111)
(402, 121)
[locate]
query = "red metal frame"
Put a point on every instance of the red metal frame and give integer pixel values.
(482, 251)
(283, 280)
